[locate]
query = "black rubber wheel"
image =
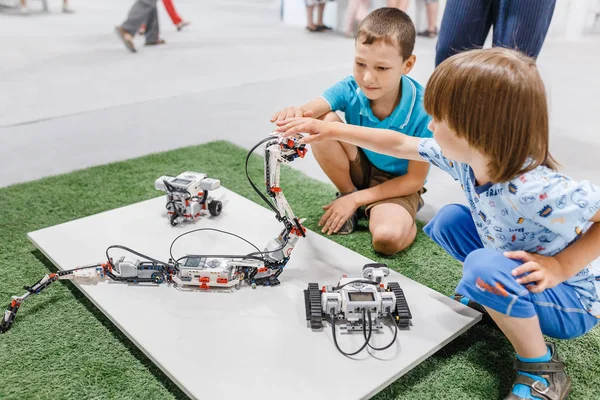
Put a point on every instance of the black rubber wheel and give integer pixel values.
(173, 220)
(215, 207)
(158, 277)
(314, 314)
(402, 311)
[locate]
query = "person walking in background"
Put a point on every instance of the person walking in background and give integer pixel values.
(65, 8)
(432, 12)
(520, 25)
(142, 11)
(310, 24)
(357, 11)
(179, 22)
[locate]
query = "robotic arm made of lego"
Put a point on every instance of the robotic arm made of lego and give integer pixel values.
(278, 151)
(123, 270)
(91, 271)
(258, 268)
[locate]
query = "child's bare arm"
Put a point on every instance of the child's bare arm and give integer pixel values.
(547, 272)
(581, 253)
(404, 185)
(382, 141)
(314, 109)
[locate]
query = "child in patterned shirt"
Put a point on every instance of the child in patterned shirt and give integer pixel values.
(529, 239)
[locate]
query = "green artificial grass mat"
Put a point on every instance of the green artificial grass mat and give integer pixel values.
(61, 346)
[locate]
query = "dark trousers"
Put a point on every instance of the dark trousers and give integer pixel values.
(518, 24)
(143, 12)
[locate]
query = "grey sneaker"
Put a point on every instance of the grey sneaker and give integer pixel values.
(350, 225)
(553, 371)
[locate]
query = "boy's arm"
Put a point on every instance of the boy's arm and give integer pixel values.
(581, 253)
(404, 185)
(548, 272)
(315, 108)
(382, 141)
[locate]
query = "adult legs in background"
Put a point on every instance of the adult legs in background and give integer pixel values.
(399, 4)
(465, 25)
(357, 10)
(432, 11)
(523, 25)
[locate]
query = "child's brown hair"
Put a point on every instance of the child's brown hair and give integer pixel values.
(495, 99)
(390, 25)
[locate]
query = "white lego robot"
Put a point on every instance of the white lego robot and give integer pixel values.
(187, 196)
(362, 303)
(187, 199)
(260, 268)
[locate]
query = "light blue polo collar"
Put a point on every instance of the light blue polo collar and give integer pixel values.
(400, 117)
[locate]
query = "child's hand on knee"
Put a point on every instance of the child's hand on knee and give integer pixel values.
(291, 112)
(337, 213)
(541, 272)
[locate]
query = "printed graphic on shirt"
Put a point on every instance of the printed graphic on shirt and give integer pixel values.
(541, 211)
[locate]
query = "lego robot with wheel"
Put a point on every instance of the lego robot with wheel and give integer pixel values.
(188, 196)
(358, 304)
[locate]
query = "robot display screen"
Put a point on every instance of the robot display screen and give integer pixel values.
(195, 262)
(361, 296)
(181, 181)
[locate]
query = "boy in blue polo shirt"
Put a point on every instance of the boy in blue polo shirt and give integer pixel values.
(378, 95)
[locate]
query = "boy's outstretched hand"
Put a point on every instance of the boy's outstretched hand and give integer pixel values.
(291, 112)
(543, 272)
(318, 130)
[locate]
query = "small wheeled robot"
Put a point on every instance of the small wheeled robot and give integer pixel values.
(187, 196)
(359, 304)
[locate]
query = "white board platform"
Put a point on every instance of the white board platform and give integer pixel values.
(248, 343)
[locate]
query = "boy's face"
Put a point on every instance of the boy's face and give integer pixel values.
(378, 68)
(453, 147)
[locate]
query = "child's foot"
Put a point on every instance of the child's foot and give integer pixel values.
(183, 24)
(469, 303)
(350, 225)
(541, 378)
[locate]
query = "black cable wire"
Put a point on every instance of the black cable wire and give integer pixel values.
(265, 199)
(117, 246)
(393, 340)
(272, 251)
(68, 271)
(213, 255)
(252, 255)
(364, 332)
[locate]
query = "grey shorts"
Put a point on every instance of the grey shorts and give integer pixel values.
(310, 3)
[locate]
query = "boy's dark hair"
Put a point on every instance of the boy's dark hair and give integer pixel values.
(495, 99)
(390, 25)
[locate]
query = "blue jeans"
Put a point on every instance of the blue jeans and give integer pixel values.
(487, 279)
(518, 24)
